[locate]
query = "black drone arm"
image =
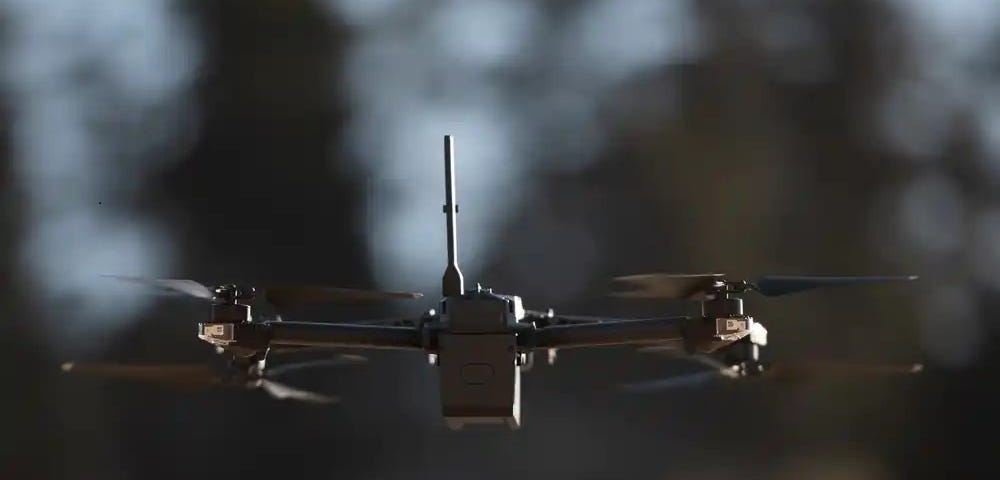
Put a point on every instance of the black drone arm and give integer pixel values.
(616, 332)
(343, 335)
(605, 333)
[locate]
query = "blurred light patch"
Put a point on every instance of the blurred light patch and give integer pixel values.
(917, 119)
(91, 243)
(612, 40)
(567, 263)
(953, 330)
(989, 130)
(363, 13)
(480, 34)
(466, 68)
(949, 75)
(984, 254)
(933, 214)
(951, 68)
(99, 102)
(796, 43)
(953, 31)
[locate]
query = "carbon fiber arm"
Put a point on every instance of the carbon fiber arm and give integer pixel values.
(617, 332)
(344, 335)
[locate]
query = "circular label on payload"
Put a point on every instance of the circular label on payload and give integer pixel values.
(477, 373)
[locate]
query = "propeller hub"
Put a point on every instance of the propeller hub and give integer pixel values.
(233, 294)
(722, 306)
(728, 288)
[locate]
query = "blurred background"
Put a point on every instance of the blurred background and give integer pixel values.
(299, 141)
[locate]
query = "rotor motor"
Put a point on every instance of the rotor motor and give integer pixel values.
(234, 294)
(721, 302)
(230, 310)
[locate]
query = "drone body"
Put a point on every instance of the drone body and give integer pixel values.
(479, 359)
(476, 352)
(481, 341)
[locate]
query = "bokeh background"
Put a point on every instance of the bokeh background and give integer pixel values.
(300, 141)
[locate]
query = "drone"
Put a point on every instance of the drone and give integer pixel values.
(480, 341)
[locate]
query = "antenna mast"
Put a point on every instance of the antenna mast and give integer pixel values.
(452, 284)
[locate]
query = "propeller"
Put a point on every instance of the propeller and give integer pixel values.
(698, 286)
(338, 361)
(300, 295)
(667, 285)
(775, 285)
(182, 376)
(689, 380)
(779, 372)
(291, 349)
(276, 295)
(281, 391)
(197, 376)
(808, 370)
(190, 288)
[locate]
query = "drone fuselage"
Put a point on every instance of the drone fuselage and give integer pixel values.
(478, 359)
(478, 340)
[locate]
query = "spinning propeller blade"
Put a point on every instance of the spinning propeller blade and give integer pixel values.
(294, 349)
(788, 373)
(173, 375)
(700, 358)
(190, 376)
(340, 360)
(695, 286)
(301, 295)
(665, 348)
(281, 391)
(187, 287)
(689, 380)
(804, 371)
(774, 285)
(716, 371)
(278, 296)
(665, 285)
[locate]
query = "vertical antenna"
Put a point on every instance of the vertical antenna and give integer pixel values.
(452, 284)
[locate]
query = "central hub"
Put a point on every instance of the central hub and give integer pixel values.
(232, 329)
(722, 305)
(477, 357)
(234, 294)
